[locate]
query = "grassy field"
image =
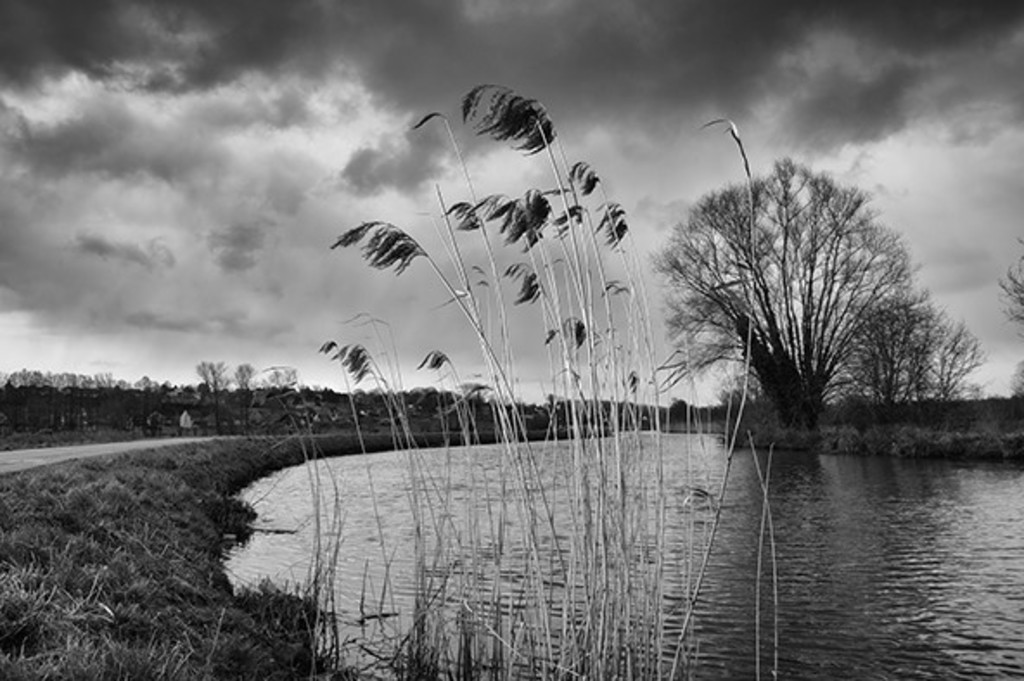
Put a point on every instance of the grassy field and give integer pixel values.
(111, 568)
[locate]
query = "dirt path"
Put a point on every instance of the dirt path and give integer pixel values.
(20, 459)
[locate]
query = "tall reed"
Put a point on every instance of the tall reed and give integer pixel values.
(555, 566)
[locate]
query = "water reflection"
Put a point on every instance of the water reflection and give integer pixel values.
(887, 568)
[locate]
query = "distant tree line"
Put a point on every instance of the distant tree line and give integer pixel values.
(37, 400)
(240, 401)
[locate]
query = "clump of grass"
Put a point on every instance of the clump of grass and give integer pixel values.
(557, 567)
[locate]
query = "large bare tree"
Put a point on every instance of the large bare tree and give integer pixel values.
(783, 270)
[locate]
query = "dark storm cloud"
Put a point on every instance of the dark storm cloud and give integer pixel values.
(400, 165)
(107, 138)
(42, 38)
(238, 246)
(153, 255)
(168, 44)
(838, 106)
(657, 63)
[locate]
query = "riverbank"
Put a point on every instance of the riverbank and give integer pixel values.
(112, 567)
(899, 441)
(920, 443)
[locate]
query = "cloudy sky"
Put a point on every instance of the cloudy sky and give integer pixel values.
(173, 173)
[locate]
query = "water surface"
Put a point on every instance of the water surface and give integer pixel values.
(887, 568)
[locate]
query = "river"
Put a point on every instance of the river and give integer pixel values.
(887, 568)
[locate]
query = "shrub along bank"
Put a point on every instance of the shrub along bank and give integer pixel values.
(897, 441)
(910, 442)
(112, 568)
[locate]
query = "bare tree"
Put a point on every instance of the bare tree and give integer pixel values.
(282, 377)
(1013, 291)
(244, 374)
(890, 361)
(214, 376)
(909, 350)
(146, 384)
(955, 356)
(791, 265)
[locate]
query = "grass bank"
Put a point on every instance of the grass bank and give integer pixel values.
(111, 568)
(924, 443)
(899, 441)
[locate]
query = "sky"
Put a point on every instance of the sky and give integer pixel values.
(172, 174)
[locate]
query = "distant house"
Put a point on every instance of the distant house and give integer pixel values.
(185, 423)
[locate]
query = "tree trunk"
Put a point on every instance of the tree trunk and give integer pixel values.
(798, 404)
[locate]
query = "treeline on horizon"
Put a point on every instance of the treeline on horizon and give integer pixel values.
(33, 401)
